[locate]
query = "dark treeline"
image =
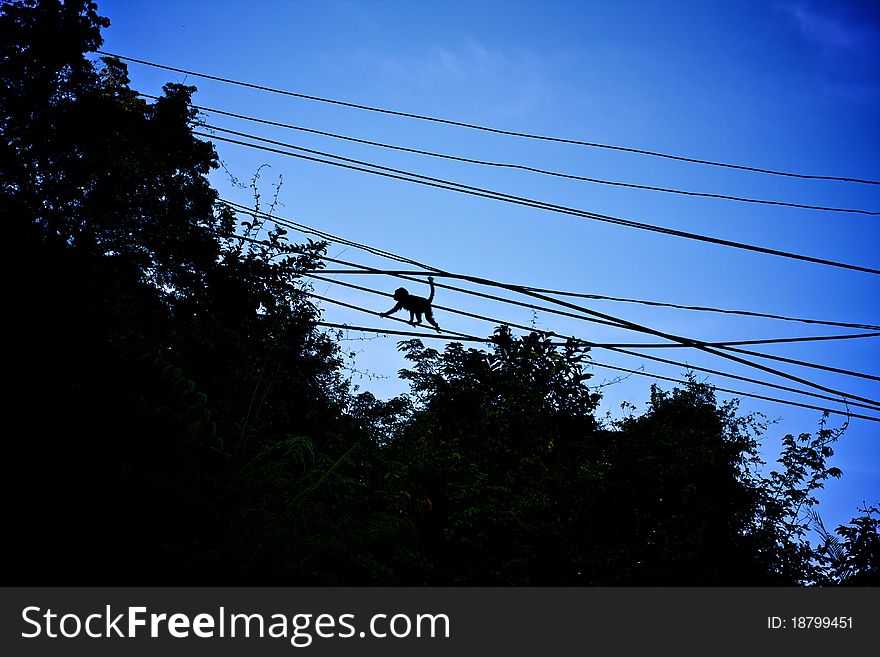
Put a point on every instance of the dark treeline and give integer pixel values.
(174, 415)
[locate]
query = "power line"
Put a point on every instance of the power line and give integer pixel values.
(847, 413)
(612, 347)
(632, 326)
(709, 309)
(394, 272)
(465, 337)
(619, 348)
(483, 295)
(699, 344)
(389, 172)
(413, 334)
(667, 361)
(412, 276)
(629, 325)
(593, 363)
(371, 250)
(456, 311)
(507, 165)
(310, 230)
(803, 338)
(793, 361)
(498, 131)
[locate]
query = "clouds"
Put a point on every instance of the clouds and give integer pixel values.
(468, 71)
(472, 60)
(835, 34)
(846, 39)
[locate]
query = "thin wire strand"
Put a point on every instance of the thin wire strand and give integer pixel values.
(593, 363)
(310, 230)
(413, 334)
(846, 413)
(612, 347)
(508, 165)
(794, 361)
(389, 172)
(635, 327)
(709, 309)
(872, 327)
(473, 126)
(413, 276)
(568, 339)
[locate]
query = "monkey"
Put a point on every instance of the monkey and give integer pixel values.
(417, 306)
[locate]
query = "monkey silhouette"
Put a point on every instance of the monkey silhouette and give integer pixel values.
(417, 306)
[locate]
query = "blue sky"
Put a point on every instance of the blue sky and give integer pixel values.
(788, 85)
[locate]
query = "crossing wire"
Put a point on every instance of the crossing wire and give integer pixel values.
(632, 326)
(474, 126)
(399, 174)
(618, 348)
(414, 276)
(873, 405)
(593, 363)
(508, 165)
(635, 327)
(465, 337)
(871, 327)
(710, 309)
(310, 230)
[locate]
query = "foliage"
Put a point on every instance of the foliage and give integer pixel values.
(487, 456)
(184, 405)
(524, 487)
(788, 500)
(178, 417)
(853, 559)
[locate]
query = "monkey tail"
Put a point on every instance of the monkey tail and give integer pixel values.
(431, 281)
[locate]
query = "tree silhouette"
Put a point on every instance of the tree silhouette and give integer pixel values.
(175, 416)
(167, 374)
(525, 487)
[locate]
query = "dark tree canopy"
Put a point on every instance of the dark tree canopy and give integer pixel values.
(177, 417)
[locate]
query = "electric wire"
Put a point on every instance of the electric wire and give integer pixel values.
(846, 413)
(465, 337)
(707, 370)
(691, 343)
(562, 313)
(473, 126)
(413, 334)
(794, 361)
(389, 172)
(311, 230)
(492, 297)
(416, 274)
(508, 165)
(639, 328)
(600, 297)
(710, 309)
(593, 363)
(611, 347)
